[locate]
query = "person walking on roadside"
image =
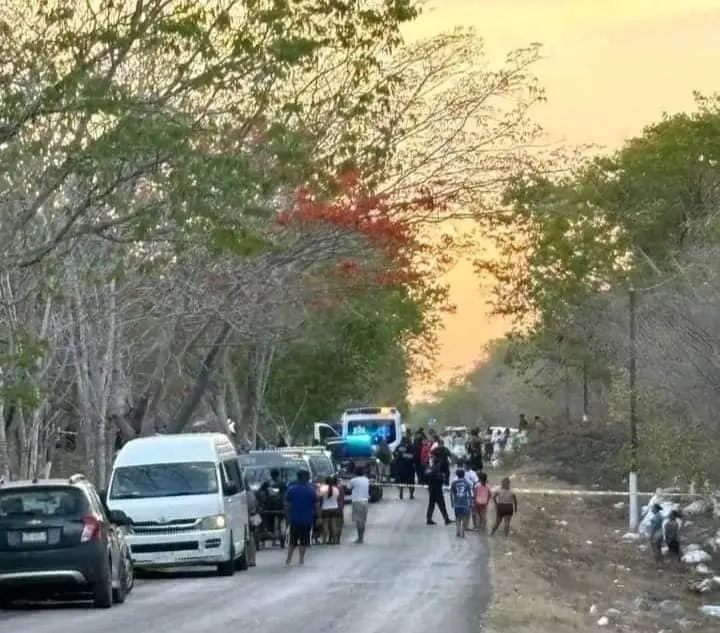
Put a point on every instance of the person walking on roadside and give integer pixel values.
(360, 491)
(435, 481)
(483, 496)
(671, 534)
(330, 511)
(301, 499)
(656, 532)
(461, 497)
(505, 507)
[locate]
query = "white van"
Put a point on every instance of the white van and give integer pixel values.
(186, 497)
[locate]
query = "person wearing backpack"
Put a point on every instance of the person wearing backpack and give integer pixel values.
(461, 498)
(483, 496)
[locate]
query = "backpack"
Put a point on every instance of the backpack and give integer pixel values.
(482, 495)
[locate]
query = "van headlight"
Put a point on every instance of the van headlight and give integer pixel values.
(216, 522)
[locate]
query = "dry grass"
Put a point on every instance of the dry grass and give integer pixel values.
(565, 555)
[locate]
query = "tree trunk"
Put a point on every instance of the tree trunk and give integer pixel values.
(192, 400)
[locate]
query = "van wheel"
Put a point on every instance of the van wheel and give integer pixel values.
(102, 589)
(227, 568)
(241, 564)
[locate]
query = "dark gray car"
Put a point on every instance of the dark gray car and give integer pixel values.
(57, 540)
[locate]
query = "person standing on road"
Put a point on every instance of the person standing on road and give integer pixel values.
(384, 457)
(461, 497)
(301, 499)
(443, 457)
(360, 490)
(435, 481)
(405, 467)
(475, 450)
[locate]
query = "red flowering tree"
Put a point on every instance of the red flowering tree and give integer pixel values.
(381, 248)
(389, 250)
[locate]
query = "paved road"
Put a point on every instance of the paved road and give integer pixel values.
(407, 576)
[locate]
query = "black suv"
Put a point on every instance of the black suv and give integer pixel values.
(57, 539)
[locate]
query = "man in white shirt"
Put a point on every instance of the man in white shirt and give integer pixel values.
(360, 490)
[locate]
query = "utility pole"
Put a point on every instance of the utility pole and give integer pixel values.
(586, 399)
(634, 508)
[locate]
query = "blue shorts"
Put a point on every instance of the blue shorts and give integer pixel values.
(464, 511)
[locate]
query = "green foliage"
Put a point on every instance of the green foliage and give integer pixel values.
(177, 118)
(357, 353)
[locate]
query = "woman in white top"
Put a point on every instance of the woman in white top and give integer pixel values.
(330, 511)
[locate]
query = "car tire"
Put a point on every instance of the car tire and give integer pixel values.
(227, 568)
(102, 589)
(129, 572)
(125, 575)
(241, 564)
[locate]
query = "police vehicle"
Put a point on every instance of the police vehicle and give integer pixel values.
(377, 423)
(350, 453)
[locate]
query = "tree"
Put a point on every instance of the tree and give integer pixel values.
(642, 217)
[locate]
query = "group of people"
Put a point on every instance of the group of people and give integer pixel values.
(664, 532)
(305, 503)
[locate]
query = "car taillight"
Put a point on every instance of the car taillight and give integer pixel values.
(91, 528)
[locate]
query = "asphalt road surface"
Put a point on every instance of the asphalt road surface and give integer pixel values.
(406, 577)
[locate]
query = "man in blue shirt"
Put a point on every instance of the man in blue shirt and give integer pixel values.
(300, 499)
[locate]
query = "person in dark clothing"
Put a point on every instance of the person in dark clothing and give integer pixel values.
(522, 423)
(475, 451)
(443, 457)
(404, 466)
(489, 447)
(436, 497)
(384, 456)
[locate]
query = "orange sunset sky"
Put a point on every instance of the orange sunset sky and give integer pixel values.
(612, 66)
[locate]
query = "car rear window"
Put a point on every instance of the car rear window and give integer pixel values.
(41, 501)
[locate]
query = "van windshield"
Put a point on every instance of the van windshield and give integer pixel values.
(164, 480)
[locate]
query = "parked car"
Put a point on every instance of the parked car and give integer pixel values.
(57, 540)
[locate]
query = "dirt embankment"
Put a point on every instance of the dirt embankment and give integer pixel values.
(566, 569)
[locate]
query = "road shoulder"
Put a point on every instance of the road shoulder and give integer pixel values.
(565, 567)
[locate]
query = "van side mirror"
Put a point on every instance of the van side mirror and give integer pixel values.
(230, 489)
(118, 517)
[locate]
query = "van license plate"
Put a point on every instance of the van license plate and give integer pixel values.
(34, 537)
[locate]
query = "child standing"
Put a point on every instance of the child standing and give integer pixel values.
(505, 506)
(483, 495)
(461, 497)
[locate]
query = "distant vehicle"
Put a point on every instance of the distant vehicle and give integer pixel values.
(256, 475)
(57, 540)
(324, 431)
(350, 453)
(187, 498)
(317, 459)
